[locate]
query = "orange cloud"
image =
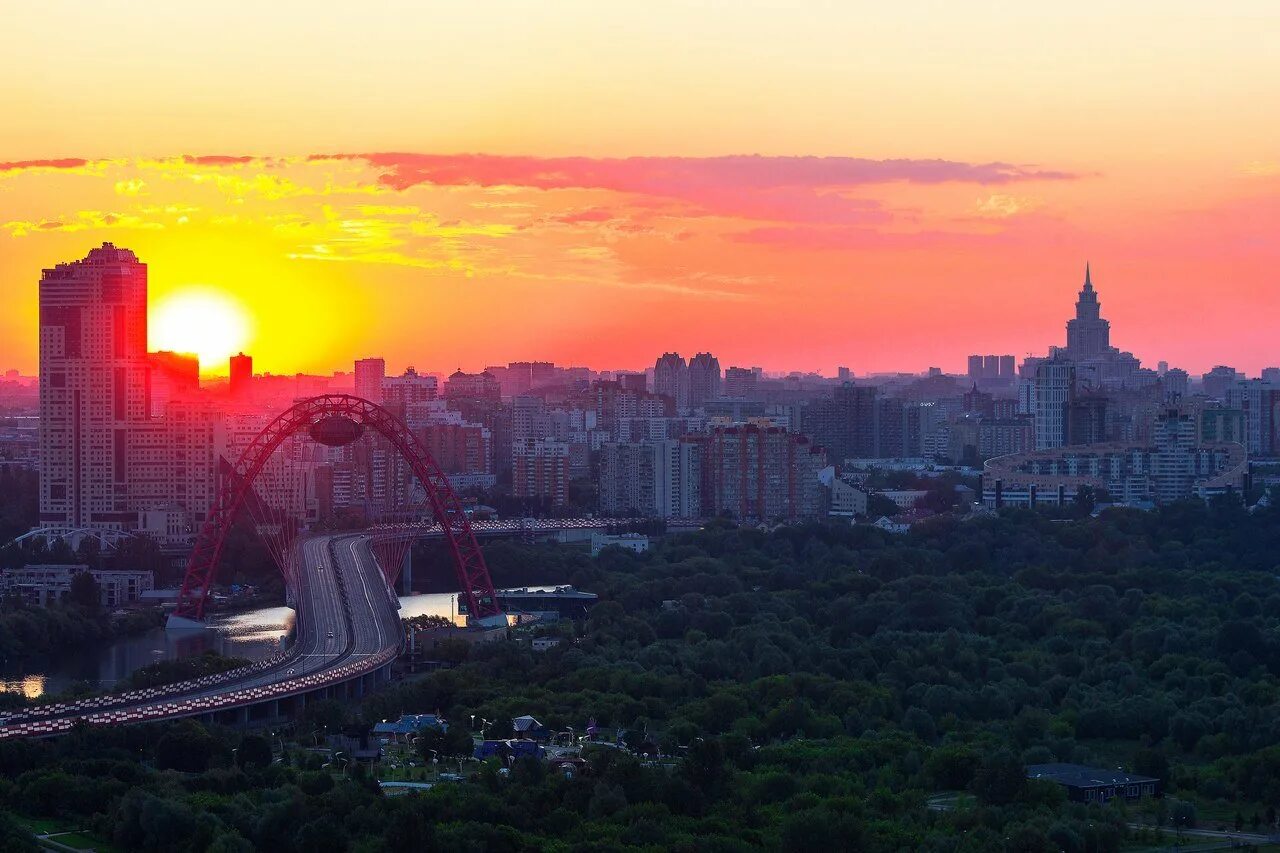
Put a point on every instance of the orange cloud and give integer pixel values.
(584, 258)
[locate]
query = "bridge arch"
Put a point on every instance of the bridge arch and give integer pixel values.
(321, 417)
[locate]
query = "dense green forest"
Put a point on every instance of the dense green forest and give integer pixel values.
(813, 688)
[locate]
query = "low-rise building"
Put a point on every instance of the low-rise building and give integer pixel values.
(1174, 465)
(408, 725)
(904, 498)
(847, 500)
(636, 542)
(42, 584)
(889, 525)
(1095, 784)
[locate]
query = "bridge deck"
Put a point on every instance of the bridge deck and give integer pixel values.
(347, 628)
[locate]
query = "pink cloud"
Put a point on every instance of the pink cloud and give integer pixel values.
(58, 163)
(671, 175)
(808, 189)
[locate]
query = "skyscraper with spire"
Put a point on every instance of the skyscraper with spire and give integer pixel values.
(1088, 335)
(1098, 363)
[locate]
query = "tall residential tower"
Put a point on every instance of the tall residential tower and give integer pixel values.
(94, 388)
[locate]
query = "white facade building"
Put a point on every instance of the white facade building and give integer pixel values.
(631, 541)
(44, 584)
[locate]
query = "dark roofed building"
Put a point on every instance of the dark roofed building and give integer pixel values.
(408, 725)
(1095, 784)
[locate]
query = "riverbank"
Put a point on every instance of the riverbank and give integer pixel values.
(32, 637)
(251, 634)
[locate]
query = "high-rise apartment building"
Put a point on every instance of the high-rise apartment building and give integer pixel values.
(847, 423)
(459, 448)
(409, 389)
(530, 420)
(173, 465)
(991, 367)
(369, 373)
(704, 379)
(540, 470)
(637, 382)
(94, 389)
(1174, 468)
(741, 383)
(1217, 381)
(761, 473)
(671, 379)
(474, 386)
(1087, 419)
(1259, 400)
(976, 367)
(899, 433)
(241, 367)
(1176, 383)
(1219, 424)
(173, 376)
(1055, 387)
(652, 479)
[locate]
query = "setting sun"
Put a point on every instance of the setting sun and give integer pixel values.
(205, 322)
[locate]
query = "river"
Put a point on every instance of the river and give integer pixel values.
(251, 634)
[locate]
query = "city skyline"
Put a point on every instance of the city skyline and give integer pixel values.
(786, 186)
(799, 425)
(210, 318)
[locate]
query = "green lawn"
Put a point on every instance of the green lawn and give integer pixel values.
(386, 773)
(64, 833)
(1212, 814)
(42, 826)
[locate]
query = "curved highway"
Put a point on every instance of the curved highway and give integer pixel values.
(347, 627)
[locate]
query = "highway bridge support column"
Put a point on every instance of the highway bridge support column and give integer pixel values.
(406, 571)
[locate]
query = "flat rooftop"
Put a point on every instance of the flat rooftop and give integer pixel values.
(546, 593)
(1080, 776)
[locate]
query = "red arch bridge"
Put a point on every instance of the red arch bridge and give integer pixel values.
(337, 419)
(348, 628)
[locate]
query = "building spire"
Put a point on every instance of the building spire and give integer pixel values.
(1088, 283)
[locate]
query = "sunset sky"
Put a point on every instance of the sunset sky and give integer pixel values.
(795, 185)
